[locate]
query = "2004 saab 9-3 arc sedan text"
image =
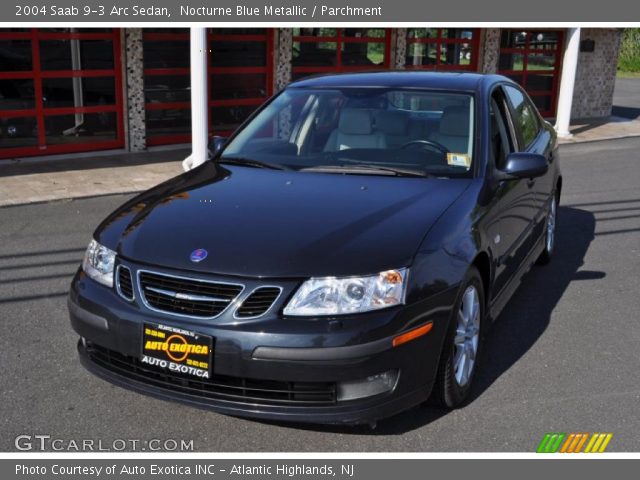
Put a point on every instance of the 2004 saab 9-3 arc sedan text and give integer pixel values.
(339, 258)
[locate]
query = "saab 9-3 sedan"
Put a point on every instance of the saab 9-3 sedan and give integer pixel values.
(338, 259)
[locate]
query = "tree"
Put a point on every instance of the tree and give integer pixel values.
(629, 58)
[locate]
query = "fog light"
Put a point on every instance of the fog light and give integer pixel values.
(367, 387)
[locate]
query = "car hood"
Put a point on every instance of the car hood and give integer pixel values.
(272, 223)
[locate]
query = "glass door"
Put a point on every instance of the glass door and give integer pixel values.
(453, 49)
(240, 73)
(335, 50)
(60, 91)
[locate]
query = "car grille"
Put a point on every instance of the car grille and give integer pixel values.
(258, 302)
(186, 296)
(219, 387)
(125, 283)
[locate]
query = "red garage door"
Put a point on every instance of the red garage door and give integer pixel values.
(60, 91)
(333, 50)
(533, 58)
(442, 49)
(240, 79)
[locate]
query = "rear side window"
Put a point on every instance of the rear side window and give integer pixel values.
(525, 115)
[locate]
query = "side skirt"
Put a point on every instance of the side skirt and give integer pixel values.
(498, 303)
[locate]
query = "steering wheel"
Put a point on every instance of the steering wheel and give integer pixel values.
(427, 144)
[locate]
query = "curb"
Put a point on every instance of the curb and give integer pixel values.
(608, 139)
(69, 199)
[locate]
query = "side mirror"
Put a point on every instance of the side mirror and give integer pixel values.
(525, 165)
(216, 144)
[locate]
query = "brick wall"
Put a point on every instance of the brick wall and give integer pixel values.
(596, 74)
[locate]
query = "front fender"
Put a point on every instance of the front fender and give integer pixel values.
(452, 245)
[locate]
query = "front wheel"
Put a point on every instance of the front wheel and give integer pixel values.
(459, 359)
(550, 233)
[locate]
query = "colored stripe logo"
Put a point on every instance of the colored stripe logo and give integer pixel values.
(574, 443)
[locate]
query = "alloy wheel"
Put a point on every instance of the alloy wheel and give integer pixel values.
(551, 226)
(467, 336)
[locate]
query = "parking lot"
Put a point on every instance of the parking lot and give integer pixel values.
(563, 356)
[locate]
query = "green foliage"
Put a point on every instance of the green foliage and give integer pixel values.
(629, 58)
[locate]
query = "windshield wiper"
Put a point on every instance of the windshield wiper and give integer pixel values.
(367, 170)
(249, 162)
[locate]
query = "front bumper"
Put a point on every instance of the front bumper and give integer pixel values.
(276, 357)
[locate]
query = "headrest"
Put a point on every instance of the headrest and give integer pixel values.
(455, 121)
(355, 121)
(392, 122)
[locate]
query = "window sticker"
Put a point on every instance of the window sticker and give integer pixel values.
(459, 160)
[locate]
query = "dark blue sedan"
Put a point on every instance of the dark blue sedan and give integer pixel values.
(338, 259)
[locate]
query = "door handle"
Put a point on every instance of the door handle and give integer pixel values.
(531, 182)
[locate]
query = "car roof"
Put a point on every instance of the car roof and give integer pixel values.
(403, 79)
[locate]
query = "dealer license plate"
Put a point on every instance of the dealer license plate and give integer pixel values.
(177, 351)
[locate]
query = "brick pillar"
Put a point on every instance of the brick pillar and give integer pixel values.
(284, 57)
(135, 90)
(596, 74)
(490, 50)
(400, 48)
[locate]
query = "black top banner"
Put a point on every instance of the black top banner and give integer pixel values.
(321, 11)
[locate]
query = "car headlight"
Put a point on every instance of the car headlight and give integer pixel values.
(339, 296)
(98, 263)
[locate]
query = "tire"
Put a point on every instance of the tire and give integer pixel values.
(452, 386)
(550, 233)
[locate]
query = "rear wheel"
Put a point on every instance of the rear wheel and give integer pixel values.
(459, 359)
(550, 233)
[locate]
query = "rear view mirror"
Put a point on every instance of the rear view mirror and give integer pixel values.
(525, 165)
(216, 144)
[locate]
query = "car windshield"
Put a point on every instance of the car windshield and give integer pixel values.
(361, 131)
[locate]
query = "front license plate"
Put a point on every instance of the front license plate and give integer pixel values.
(178, 351)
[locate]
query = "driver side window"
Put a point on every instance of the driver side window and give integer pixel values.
(501, 141)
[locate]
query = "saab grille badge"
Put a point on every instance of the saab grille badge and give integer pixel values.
(198, 255)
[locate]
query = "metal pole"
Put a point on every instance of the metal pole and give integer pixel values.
(568, 79)
(78, 100)
(199, 99)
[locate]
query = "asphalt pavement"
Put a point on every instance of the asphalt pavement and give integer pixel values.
(563, 357)
(626, 98)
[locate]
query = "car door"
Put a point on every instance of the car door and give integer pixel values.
(533, 137)
(511, 205)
